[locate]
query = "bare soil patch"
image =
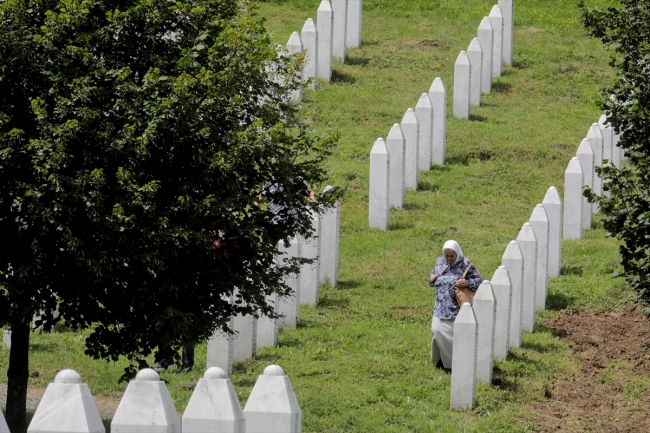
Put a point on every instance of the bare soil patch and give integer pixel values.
(610, 392)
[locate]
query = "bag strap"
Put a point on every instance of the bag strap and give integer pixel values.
(466, 270)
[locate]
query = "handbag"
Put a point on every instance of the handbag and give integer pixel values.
(464, 294)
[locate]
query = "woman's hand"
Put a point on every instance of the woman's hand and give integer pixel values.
(462, 283)
(432, 278)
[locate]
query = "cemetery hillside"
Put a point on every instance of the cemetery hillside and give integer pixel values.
(357, 354)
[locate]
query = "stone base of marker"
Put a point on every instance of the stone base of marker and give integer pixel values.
(463, 365)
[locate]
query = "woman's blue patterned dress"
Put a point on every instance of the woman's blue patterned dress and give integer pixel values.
(446, 306)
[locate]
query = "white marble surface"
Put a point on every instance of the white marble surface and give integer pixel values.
(340, 9)
(507, 10)
(272, 406)
(462, 86)
(463, 363)
(221, 348)
(586, 156)
(539, 221)
(267, 328)
(617, 152)
(513, 260)
(485, 309)
(496, 19)
(553, 206)
(325, 28)
(310, 272)
(6, 338)
(573, 181)
(329, 247)
(290, 305)
(294, 46)
(214, 406)
(146, 407)
(608, 137)
(4, 428)
(245, 339)
(353, 35)
(396, 146)
(595, 137)
(475, 56)
(528, 245)
(378, 202)
(438, 97)
(486, 36)
(502, 289)
(66, 407)
(424, 114)
(411, 132)
(309, 37)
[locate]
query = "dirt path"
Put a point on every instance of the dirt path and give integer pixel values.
(611, 391)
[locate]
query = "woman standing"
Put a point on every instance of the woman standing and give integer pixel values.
(448, 272)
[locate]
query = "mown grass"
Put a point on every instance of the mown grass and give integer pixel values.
(359, 360)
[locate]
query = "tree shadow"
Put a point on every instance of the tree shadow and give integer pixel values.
(289, 341)
(423, 185)
(501, 87)
(571, 270)
(502, 380)
(42, 347)
(556, 301)
(342, 77)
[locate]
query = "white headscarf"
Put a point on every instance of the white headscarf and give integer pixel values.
(453, 245)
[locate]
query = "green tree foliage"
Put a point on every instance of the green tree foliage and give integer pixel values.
(138, 143)
(626, 30)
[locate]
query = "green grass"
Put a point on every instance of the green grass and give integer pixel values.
(359, 360)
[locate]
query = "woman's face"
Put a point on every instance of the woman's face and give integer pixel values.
(450, 256)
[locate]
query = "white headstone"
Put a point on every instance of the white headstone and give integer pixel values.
(539, 221)
(507, 10)
(586, 157)
(294, 46)
(396, 146)
(340, 9)
(309, 37)
(485, 309)
(553, 206)
(290, 305)
(353, 36)
(475, 56)
(4, 428)
(329, 244)
(325, 28)
(6, 338)
(513, 261)
(146, 407)
(310, 272)
(573, 181)
(617, 152)
(214, 407)
(596, 139)
(267, 328)
(486, 36)
(462, 86)
(496, 18)
(424, 114)
(379, 205)
(438, 97)
(502, 289)
(66, 407)
(528, 245)
(272, 406)
(221, 347)
(463, 363)
(411, 131)
(608, 138)
(245, 339)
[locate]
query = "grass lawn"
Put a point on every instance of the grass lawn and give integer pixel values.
(359, 360)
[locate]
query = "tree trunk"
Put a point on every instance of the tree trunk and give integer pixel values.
(17, 376)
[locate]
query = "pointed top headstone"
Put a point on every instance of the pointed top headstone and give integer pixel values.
(485, 24)
(496, 11)
(325, 5)
(409, 117)
(539, 214)
(294, 45)
(552, 196)
(379, 146)
(574, 166)
(513, 251)
(424, 101)
(585, 147)
(395, 132)
(309, 26)
(484, 291)
(437, 86)
(594, 131)
(462, 59)
(466, 314)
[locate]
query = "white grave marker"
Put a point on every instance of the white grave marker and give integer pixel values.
(513, 260)
(221, 347)
(462, 86)
(290, 305)
(4, 428)
(340, 9)
(617, 152)
(396, 146)
(502, 288)
(310, 272)
(507, 10)
(6, 338)
(214, 407)
(596, 139)
(496, 19)
(378, 202)
(486, 36)
(245, 339)
(475, 56)
(539, 221)
(267, 328)
(528, 245)
(309, 37)
(586, 156)
(411, 131)
(463, 363)
(553, 206)
(325, 28)
(329, 249)
(485, 308)
(353, 36)
(573, 181)
(438, 97)
(424, 114)
(294, 46)
(608, 138)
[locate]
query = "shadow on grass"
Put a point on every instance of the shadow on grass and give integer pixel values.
(330, 303)
(558, 301)
(477, 118)
(545, 347)
(289, 341)
(42, 347)
(423, 185)
(400, 226)
(267, 356)
(467, 157)
(502, 380)
(244, 381)
(369, 42)
(357, 61)
(436, 167)
(414, 206)
(571, 270)
(342, 77)
(501, 87)
(347, 284)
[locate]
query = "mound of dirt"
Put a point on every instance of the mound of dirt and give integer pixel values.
(612, 359)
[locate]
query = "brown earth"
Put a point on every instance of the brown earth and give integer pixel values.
(611, 390)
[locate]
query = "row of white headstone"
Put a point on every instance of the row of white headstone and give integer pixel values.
(599, 148)
(475, 68)
(505, 306)
(337, 29)
(146, 406)
(251, 333)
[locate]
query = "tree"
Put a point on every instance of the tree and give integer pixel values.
(140, 145)
(626, 29)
